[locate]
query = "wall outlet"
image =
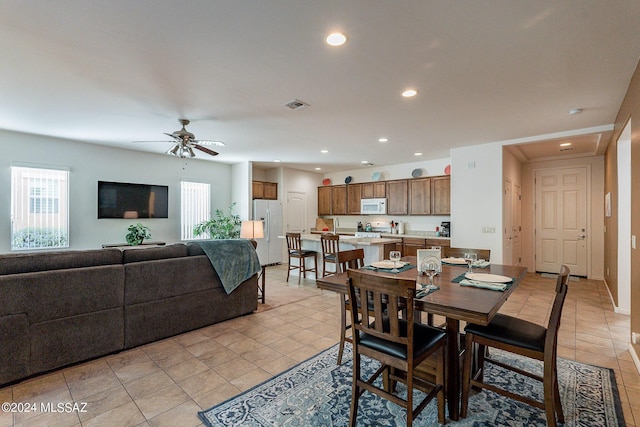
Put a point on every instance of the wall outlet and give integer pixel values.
(633, 242)
(488, 230)
(635, 337)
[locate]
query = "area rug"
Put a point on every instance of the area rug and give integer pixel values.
(317, 392)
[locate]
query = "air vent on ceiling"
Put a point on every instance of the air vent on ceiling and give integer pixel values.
(296, 104)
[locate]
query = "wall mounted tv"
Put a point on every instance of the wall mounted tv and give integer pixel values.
(126, 200)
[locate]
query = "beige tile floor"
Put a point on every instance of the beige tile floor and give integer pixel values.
(166, 383)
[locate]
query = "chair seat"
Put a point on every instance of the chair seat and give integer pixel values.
(425, 337)
(512, 331)
(302, 252)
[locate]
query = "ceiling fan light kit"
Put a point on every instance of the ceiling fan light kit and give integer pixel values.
(185, 142)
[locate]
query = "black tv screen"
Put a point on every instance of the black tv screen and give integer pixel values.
(125, 200)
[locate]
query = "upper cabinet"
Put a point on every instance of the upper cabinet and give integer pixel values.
(354, 194)
(332, 200)
(264, 190)
(419, 196)
(441, 195)
(397, 197)
(374, 190)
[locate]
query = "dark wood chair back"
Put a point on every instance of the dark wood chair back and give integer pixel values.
(382, 332)
(329, 244)
(293, 242)
(353, 259)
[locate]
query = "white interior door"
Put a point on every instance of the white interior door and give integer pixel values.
(507, 229)
(296, 211)
(561, 220)
(516, 226)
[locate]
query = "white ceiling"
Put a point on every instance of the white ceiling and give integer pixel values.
(115, 71)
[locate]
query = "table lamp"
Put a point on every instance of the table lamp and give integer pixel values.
(251, 230)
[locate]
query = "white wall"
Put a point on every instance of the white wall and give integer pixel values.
(89, 163)
(476, 198)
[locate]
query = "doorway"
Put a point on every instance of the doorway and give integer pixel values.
(296, 212)
(561, 219)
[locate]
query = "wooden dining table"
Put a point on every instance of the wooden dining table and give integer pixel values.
(453, 301)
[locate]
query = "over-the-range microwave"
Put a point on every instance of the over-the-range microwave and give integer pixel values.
(373, 206)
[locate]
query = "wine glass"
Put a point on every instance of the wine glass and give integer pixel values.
(470, 258)
(395, 257)
(430, 267)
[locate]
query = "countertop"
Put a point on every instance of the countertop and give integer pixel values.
(352, 240)
(412, 234)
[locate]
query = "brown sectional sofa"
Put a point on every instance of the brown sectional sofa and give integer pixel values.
(59, 308)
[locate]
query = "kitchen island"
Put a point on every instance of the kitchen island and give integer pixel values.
(374, 248)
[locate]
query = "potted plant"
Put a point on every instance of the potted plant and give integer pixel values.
(137, 233)
(223, 226)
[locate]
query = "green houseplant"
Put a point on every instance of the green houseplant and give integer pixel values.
(222, 226)
(137, 233)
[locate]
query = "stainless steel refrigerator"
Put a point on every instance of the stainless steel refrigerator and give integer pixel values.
(269, 248)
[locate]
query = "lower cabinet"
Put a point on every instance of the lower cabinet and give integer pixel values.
(410, 245)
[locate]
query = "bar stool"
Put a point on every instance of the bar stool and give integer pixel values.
(329, 253)
(294, 248)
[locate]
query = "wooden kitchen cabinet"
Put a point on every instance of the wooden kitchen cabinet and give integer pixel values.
(441, 195)
(397, 197)
(339, 200)
(410, 245)
(332, 200)
(374, 190)
(264, 190)
(420, 196)
(324, 201)
(354, 195)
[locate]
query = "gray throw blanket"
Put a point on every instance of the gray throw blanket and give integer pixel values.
(235, 260)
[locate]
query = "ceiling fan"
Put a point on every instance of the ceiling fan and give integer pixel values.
(184, 143)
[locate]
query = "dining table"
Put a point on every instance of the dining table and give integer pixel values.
(451, 300)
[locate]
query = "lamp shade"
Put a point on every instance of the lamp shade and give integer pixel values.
(251, 230)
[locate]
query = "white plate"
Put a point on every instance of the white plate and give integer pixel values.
(388, 264)
(457, 261)
(485, 277)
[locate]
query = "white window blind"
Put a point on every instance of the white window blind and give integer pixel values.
(195, 207)
(39, 208)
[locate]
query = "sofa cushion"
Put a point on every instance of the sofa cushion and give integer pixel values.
(46, 261)
(14, 351)
(155, 280)
(148, 254)
(65, 293)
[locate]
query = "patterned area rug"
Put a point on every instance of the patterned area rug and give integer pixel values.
(317, 392)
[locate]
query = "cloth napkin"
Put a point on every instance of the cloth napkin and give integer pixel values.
(423, 292)
(481, 263)
(484, 285)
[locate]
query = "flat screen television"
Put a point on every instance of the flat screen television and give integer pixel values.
(126, 200)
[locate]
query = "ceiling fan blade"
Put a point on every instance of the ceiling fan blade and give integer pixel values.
(205, 150)
(171, 142)
(210, 142)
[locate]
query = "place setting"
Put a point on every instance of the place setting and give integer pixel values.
(494, 282)
(391, 265)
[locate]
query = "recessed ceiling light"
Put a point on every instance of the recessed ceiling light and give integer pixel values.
(336, 39)
(324, 151)
(417, 154)
(277, 160)
(364, 162)
(383, 140)
(565, 144)
(318, 169)
(409, 93)
(575, 111)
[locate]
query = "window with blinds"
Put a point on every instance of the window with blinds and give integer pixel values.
(39, 208)
(195, 207)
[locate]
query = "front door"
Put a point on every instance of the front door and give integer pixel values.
(561, 220)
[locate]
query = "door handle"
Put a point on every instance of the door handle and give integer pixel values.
(582, 237)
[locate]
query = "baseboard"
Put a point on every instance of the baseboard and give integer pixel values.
(616, 309)
(634, 356)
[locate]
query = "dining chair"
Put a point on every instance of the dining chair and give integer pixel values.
(398, 343)
(524, 338)
(347, 259)
(330, 243)
(294, 248)
(448, 252)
